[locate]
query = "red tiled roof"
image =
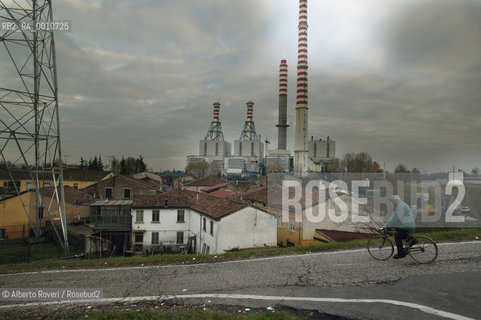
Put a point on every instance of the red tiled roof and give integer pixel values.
(172, 199)
(258, 195)
(209, 205)
(220, 193)
(72, 195)
(216, 207)
(217, 186)
(205, 181)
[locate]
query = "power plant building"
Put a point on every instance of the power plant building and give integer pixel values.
(213, 148)
(248, 147)
(248, 153)
(321, 153)
(248, 156)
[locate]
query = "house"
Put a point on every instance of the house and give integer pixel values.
(152, 178)
(111, 222)
(75, 178)
(110, 216)
(121, 188)
(199, 223)
(15, 220)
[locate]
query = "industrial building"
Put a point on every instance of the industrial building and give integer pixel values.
(248, 154)
(213, 148)
(248, 150)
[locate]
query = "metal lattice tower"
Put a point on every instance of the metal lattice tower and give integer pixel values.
(215, 129)
(29, 118)
(249, 131)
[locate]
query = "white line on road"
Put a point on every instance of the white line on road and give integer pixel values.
(279, 299)
(210, 263)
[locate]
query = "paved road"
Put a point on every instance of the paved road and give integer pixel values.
(450, 285)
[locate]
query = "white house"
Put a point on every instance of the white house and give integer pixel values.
(200, 223)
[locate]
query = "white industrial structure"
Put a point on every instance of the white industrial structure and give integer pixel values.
(213, 148)
(248, 153)
(321, 153)
(248, 156)
(248, 148)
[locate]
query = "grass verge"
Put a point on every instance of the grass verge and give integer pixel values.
(164, 259)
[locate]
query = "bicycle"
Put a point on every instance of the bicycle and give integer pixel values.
(421, 248)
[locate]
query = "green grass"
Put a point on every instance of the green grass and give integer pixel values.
(192, 314)
(164, 259)
(40, 249)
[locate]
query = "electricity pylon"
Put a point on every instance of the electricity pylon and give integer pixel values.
(29, 117)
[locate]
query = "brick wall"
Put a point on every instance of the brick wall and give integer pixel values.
(117, 185)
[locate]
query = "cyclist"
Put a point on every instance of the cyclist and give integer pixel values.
(402, 221)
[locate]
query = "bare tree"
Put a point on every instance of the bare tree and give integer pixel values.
(197, 169)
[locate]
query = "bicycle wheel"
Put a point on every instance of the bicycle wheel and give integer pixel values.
(380, 247)
(424, 250)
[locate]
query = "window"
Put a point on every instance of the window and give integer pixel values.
(204, 224)
(155, 216)
(180, 215)
(126, 193)
(180, 237)
(207, 250)
(212, 227)
(3, 234)
(75, 185)
(108, 193)
(155, 238)
(292, 225)
(139, 237)
(139, 216)
(47, 184)
(29, 185)
(203, 248)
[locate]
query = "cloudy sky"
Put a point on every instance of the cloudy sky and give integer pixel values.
(400, 80)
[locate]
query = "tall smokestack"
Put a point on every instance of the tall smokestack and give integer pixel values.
(250, 111)
(215, 129)
(282, 124)
(216, 112)
(301, 152)
(249, 131)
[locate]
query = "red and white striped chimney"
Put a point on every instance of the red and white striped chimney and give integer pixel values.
(301, 153)
(283, 78)
(282, 123)
(250, 111)
(302, 56)
(216, 111)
